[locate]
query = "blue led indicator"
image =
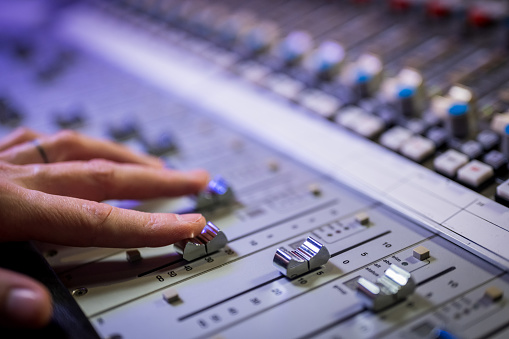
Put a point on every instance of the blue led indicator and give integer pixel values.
(506, 129)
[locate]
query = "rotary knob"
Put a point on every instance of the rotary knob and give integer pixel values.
(295, 46)
(210, 240)
(308, 256)
(363, 75)
(396, 284)
(234, 27)
(500, 124)
(405, 91)
(9, 115)
(218, 193)
(326, 60)
(260, 37)
(457, 109)
(160, 144)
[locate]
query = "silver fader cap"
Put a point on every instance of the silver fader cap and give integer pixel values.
(217, 193)
(308, 256)
(215, 238)
(315, 253)
(395, 285)
(289, 263)
(210, 240)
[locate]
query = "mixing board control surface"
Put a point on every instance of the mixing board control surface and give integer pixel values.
(358, 148)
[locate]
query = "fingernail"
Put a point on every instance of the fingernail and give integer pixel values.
(23, 305)
(193, 217)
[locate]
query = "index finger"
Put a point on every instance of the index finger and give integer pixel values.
(33, 215)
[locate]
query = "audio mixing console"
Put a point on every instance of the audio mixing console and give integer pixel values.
(359, 151)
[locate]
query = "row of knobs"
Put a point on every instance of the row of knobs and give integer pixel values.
(406, 92)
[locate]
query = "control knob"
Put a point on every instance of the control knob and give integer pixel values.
(308, 256)
(364, 74)
(9, 115)
(218, 193)
(235, 26)
(206, 21)
(326, 60)
(396, 284)
(457, 109)
(295, 46)
(405, 91)
(210, 240)
(500, 124)
(260, 37)
(161, 144)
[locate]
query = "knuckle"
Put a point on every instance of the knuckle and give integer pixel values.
(5, 167)
(99, 215)
(155, 222)
(63, 144)
(24, 132)
(9, 170)
(154, 230)
(101, 172)
(67, 138)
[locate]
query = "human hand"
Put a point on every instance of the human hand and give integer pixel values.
(50, 190)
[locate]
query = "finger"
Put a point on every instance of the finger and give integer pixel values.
(71, 145)
(23, 301)
(19, 136)
(102, 180)
(33, 215)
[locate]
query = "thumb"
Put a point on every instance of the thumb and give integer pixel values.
(23, 301)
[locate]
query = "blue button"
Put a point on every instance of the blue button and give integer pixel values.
(506, 130)
(289, 53)
(442, 334)
(458, 109)
(405, 93)
(325, 66)
(362, 77)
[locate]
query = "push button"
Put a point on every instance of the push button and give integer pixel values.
(475, 173)
(421, 253)
(449, 162)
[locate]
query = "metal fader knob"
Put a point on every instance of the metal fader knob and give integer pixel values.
(210, 240)
(217, 193)
(289, 263)
(308, 256)
(395, 285)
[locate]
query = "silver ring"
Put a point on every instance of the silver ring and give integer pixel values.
(41, 151)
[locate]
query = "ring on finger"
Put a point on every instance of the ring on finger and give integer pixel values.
(41, 150)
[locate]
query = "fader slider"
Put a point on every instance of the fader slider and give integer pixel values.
(210, 240)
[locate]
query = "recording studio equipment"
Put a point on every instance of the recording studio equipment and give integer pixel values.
(359, 151)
